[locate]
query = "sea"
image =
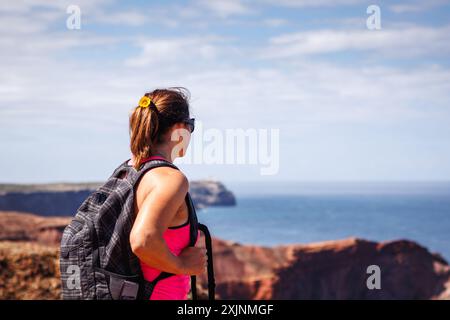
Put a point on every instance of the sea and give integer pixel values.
(286, 213)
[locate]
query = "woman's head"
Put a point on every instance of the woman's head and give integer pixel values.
(164, 124)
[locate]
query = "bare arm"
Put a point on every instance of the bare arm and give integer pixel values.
(154, 217)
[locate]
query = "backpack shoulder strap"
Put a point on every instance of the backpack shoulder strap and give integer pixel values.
(121, 168)
(134, 176)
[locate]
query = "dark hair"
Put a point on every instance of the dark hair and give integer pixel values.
(147, 125)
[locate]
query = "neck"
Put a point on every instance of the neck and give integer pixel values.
(160, 151)
(163, 151)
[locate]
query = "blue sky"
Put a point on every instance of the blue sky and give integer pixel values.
(350, 103)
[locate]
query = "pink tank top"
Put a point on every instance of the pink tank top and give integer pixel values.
(175, 287)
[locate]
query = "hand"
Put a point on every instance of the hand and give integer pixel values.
(193, 260)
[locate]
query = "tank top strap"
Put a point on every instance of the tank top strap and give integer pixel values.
(152, 158)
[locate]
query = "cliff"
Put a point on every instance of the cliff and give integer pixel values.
(29, 270)
(329, 270)
(325, 270)
(65, 198)
(207, 193)
(20, 226)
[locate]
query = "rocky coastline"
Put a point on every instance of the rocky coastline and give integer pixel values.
(63, 199)
(327, 270)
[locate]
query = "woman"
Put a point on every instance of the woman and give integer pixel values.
(160, 127)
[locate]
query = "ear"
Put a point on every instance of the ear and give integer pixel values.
(177, 132)
(175, 127)
(178, 126)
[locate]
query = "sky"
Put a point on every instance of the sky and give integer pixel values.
(350, 103)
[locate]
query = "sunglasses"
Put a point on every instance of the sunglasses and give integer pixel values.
(191, 124)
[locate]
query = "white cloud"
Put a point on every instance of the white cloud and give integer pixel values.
(189, 50)
(225, 8)
(311, 3)
(127, 18)
(416, 6)
(410, 41)
(406, 8)
(167, 16)
(28, 6)
(49, 94)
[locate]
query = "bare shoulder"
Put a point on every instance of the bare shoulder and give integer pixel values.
(166, 178)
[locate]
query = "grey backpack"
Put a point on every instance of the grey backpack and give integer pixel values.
(96, 260)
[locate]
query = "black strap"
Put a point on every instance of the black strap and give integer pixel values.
(210, 266)
(194, 288)
(193, 232)
(133, 175)
(192, 238)
(147, 287)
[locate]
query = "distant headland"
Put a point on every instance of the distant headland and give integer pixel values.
(63, 199)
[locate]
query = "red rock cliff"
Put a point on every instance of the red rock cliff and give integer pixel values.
(326, 270)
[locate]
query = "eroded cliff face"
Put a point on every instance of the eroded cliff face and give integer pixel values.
(338, 270)
(65, 198)
(326, 270)
(329, 270)
(20, 226)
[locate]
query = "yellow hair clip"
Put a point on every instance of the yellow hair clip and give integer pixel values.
(145, 102)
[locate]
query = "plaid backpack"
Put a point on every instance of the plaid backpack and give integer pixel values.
(96, 260)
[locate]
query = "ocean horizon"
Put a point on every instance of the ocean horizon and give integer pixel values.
(293, 212)
(420, 213)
